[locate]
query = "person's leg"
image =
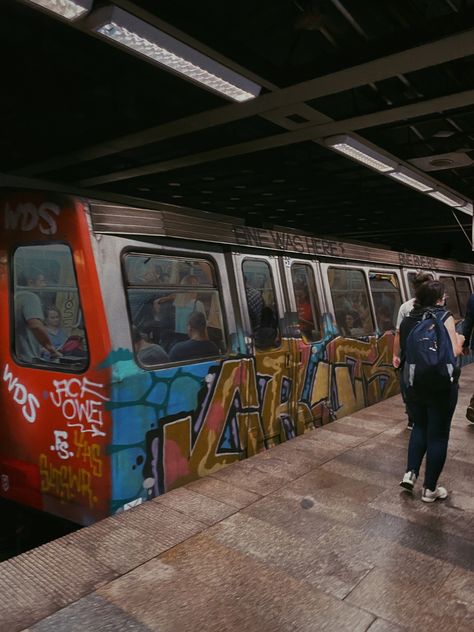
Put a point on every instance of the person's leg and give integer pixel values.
(418, 439)
(440, 413)
(403, 392)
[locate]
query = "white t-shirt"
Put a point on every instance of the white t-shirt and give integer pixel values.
(404, 310)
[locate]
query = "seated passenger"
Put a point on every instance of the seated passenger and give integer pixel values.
(346, 325)
(56, 333)
(158, 321)
(267, 333)
(31, 335)
(198, 345)
(148, 353)
(384, 318)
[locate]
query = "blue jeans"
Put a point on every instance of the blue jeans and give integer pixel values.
(430, 433)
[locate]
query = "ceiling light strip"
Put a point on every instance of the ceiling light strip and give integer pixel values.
(68, 9)
(144, 39)
(412, 180)
(361, 153)
(446, 198)
(366, 155)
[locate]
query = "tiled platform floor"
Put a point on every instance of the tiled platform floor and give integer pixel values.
(312, 535)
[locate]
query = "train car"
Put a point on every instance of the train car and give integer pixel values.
(143, 347)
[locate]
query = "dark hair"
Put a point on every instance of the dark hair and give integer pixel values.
(197, 321)
(429, 293)
(52, 308)
(421, 277)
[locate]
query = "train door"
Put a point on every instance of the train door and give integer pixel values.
(310, 379)
(263, 307)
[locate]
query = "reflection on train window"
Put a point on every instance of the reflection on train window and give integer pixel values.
(411, 286)
(451, 298)
(306, 301)
(175, 309)
(351, 301)
(49, 328)
(261, 303)
(385, 292)
(463, 288)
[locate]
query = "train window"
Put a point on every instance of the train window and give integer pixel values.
(385, 292)
(351, 301)
(48, 327)
(306, 301)
(463, 288)
(451, 298)
(175, 309)
(411, 286)
(261, 303)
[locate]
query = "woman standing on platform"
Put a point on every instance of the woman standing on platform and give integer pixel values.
(433, 410)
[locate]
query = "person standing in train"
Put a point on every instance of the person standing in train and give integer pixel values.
(430, 407)
(467, 328)
(404, 310)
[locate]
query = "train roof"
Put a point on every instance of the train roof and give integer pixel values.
(169, 221)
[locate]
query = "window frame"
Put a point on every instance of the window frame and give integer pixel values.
(177, 253)
(385, 271)
(52, 367)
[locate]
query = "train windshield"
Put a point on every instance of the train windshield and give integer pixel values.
(48, 323)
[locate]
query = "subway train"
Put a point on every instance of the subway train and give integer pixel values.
(144, 347)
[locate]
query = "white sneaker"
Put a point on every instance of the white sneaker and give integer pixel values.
(429, 497)
(408, 481)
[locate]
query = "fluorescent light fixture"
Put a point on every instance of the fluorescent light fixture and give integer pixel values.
(466, 208)
(130, 32)
(68, 9)
(362, 153)
(411, 179)
(447, 198)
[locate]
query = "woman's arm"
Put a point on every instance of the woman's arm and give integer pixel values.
(457, 340)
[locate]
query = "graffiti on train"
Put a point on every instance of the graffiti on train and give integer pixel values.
(29, 403)
(81, 403)
(174, 425)
(29, 217)
(75, 479)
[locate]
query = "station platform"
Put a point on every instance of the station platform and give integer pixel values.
(314, 534)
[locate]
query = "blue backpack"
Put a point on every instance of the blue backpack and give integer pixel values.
(429, 359)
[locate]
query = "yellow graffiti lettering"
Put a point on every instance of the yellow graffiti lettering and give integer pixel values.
(90, 454)
(65, 482)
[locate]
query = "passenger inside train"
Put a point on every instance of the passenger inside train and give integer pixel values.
(198, 344)
(56, 333)
(163, 294)
(48, 317)
(148, 353)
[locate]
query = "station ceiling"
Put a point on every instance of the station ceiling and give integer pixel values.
(80, 112)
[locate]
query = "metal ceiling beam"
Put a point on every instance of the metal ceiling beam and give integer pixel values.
(432, 54)
(309, 131)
